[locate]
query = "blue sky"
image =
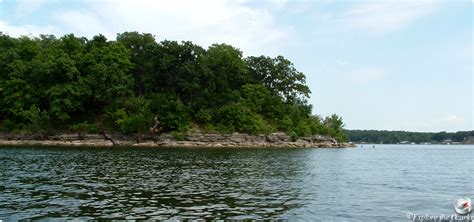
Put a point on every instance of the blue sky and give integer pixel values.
(396, 65)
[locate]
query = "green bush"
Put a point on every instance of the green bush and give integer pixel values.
(254, 123)
(293, 136)
(170, 111)
(179, 136)
(38, 121)
(303, 129)
(286, 124)
(238, 117)
(134, 117)
(85, 127)
(334, 125)
(8, 125)
(204, 116)
(256, 97)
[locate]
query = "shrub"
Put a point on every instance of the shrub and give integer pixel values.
(38, 120)
(204, 116)
(135, 116)
(170, 111)
(85, 127)
(240, 118)
(303, 129)
(293, 136)
(179, 136)
(286, 124)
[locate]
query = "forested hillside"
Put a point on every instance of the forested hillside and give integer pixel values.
(383, 136)
(134, 83)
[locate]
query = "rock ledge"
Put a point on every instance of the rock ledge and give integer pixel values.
(195, 139)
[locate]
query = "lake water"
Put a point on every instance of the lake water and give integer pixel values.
(382, 183)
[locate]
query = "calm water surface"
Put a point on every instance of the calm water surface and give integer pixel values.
(381, 183)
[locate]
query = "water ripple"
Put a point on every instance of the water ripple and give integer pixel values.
(179, 184)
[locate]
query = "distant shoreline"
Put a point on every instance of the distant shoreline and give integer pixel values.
(234, 140)
(404, 144)
(406, 137)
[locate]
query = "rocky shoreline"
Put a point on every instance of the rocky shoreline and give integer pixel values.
(195, 139)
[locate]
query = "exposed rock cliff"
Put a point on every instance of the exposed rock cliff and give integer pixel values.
(196, 139)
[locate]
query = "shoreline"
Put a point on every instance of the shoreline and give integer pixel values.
(215, 140)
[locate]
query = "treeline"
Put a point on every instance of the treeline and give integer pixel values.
(391, 137)
(134, 83)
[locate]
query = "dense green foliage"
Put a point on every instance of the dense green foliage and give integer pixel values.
(50, 84)
(391, 137)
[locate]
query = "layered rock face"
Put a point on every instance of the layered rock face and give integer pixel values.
(195, 139)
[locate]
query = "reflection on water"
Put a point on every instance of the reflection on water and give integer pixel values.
(140, 183)
(145, 183)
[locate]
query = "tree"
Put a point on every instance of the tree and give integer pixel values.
(143, 48)
(16, 89)
(134, 117)
(256, 97)
(105, 69)
(170, 111)
(279, 75)
(334, 126)
(227, 74)
(56, 75)
(96, 85)
(179, 70)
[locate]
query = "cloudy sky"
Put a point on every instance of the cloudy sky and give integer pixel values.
(386, 64)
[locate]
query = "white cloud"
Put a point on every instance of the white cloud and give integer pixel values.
(25, 7)
(389, 15)
(83, 23)
(16, 31)
(382, 16)
(254, 30)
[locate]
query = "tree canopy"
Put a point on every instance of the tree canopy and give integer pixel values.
(391, 137)
(50, 84)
